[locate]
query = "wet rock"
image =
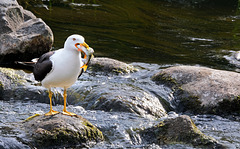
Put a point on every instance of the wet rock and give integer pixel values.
(23, 36)
(115, 97)
(233, 58)
(92, 94)
(108, 65)
(178, 130)
(60, 130)
(18, 85)
(201, 89)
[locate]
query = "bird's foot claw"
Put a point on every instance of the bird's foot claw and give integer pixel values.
(68, 113)
(51, 112)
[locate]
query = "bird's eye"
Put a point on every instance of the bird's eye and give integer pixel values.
(74, 39)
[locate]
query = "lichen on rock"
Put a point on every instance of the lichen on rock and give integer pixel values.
(176, 130)
(200, 89)
(108, 65)
(60, 130)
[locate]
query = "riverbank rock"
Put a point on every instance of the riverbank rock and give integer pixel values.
(201, 89)
(108, 65)
(60, 130)
(23, 36)
(115, 97)
(176, 130)
(91, 94)
(18, 85)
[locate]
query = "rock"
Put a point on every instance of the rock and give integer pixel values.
(60, 130)
(115, 97)
(201, 89)
(18, 85)
(23, 36)
(178, 130)
(108, 65)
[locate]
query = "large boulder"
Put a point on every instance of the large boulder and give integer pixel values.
(115, 97)
(60, 130)
(176, 130)
(201, 89)
(23, 36)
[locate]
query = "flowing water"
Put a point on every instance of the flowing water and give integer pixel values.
(152, 31)
(117, 127)
(149, 34)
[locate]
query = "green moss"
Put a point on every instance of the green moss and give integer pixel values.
(228, 106)
(163, 78)
(119, 71)
(59, 136)
(55, 137)
(96, 67)
(63, 136)
(191, 103)
(12, 75)
(92, 132)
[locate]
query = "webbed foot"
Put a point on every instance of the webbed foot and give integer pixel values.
(68, 113)
(51, 112)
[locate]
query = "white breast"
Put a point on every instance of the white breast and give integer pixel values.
(66, 68)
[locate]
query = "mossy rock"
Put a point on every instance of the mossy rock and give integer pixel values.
(61, 131)
(201, 90)
(18, 85)
(229, 107)
(177, 130)
(163, 78)
(10, 76)
(108, 65)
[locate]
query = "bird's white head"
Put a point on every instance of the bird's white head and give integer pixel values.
(76, 42)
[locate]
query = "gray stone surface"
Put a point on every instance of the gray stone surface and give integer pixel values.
(60, 130)
(108, 65)
(23, 36)
(180, 129)
(201, 87)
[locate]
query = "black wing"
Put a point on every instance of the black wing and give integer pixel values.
(43, 66)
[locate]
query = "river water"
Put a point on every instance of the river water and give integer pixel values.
(152, 31)
(148, 34)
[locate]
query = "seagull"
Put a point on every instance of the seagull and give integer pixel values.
(61, 68)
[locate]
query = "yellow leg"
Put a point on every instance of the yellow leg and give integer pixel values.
(65, 112)
(51, 112)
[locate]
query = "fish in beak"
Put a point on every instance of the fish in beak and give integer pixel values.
(87, 54)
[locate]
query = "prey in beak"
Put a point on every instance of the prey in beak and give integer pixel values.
(88, 53)
(81, 45)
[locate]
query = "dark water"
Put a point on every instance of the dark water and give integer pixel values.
(150, 31)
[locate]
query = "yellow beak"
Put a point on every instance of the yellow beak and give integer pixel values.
(85, 45)
(81, 44)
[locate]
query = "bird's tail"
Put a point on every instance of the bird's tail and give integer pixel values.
(26, 63)
(32, 63)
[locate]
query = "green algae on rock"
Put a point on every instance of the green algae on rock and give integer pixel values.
(18, 85)
(200, 89)
(60, 130)
(176, 130)
(110, 65)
